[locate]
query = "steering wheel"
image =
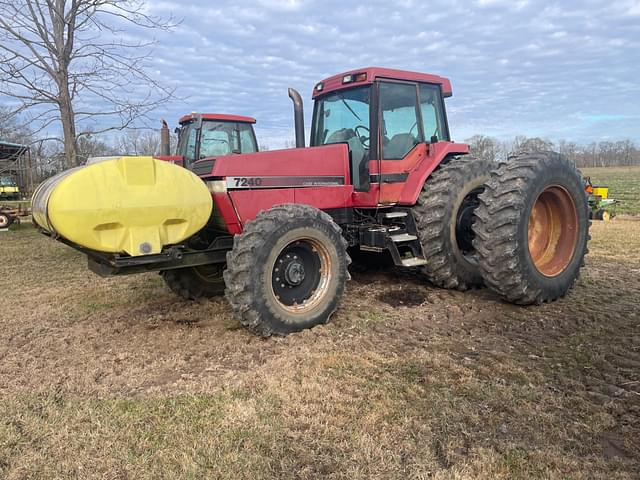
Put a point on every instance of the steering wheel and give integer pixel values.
(411, 129)
(364, 140)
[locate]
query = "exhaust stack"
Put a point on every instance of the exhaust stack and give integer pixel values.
(298, 117)
(165, 139)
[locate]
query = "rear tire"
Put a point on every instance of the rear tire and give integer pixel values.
(194, 283)
(444, 216)
(287, 270)
(532, 228)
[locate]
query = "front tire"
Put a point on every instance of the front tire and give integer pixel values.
(444, 216)
(532, 228)
(287, 270)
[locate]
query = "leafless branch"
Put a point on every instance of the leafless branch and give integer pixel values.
(70, 54)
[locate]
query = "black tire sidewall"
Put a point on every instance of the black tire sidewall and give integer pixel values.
(469, 266)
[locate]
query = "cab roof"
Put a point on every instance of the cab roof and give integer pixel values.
(372, 73)
(223, 117)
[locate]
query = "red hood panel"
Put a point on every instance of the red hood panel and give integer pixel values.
(313, 161)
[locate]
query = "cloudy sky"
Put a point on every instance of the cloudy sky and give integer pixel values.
(567, 69)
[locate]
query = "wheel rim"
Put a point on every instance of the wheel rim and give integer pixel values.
(4, 221)
(606, 216)
(553, 230)
(301, 275)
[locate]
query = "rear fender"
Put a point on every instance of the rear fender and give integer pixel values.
(436, 154)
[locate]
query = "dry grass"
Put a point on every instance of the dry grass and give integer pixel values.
(116, 378)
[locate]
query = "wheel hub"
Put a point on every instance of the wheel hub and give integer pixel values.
(294, 273)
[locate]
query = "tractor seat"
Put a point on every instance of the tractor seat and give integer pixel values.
(399, 145)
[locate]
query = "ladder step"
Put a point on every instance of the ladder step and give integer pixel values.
(403, 237)
(413, 262)
(394, 214)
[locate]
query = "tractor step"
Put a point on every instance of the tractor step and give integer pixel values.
(394, 214)
(403, 237)
(413, 262)
(396, 233)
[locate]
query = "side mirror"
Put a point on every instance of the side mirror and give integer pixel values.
(434, 139)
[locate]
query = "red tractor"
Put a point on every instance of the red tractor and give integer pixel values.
(202, 135)
(381, 175)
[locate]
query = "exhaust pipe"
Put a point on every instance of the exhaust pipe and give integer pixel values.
(298, 117)
(165, 139)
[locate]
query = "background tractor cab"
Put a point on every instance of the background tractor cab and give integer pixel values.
(9, 188)
(209, 135)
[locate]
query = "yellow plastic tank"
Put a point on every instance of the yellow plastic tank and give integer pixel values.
(602, 192)
(135, 205)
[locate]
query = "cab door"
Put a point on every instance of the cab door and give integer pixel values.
(400, 137)
(410, 117)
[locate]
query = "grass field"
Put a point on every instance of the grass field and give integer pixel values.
(119, 379)
(623, 183)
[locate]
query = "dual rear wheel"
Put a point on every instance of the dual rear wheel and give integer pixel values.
(520, 228)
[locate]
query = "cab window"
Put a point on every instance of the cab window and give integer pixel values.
(225, 138)
(214, 141)
(401, 130)
(247, 139)
(432, 113)
(190, 145)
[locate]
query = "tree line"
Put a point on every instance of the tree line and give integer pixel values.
(594, 154)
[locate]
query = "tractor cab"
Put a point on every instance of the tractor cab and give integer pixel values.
(381, 114)
(213, 135)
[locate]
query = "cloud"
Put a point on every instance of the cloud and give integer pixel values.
(517, 67)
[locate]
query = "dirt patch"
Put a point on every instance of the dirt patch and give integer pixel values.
(406, 381)
(403, 297)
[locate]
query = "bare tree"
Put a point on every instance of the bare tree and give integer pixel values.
(66, 62)
(484, 147)
(531, 144)
(139, 142)
(11, 130)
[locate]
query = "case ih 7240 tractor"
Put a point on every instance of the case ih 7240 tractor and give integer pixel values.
(273, 230)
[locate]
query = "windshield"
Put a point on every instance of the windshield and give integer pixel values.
(7, 182)
(343, 117)
(217, 138)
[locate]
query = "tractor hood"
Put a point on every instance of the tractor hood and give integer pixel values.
(327, 164)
